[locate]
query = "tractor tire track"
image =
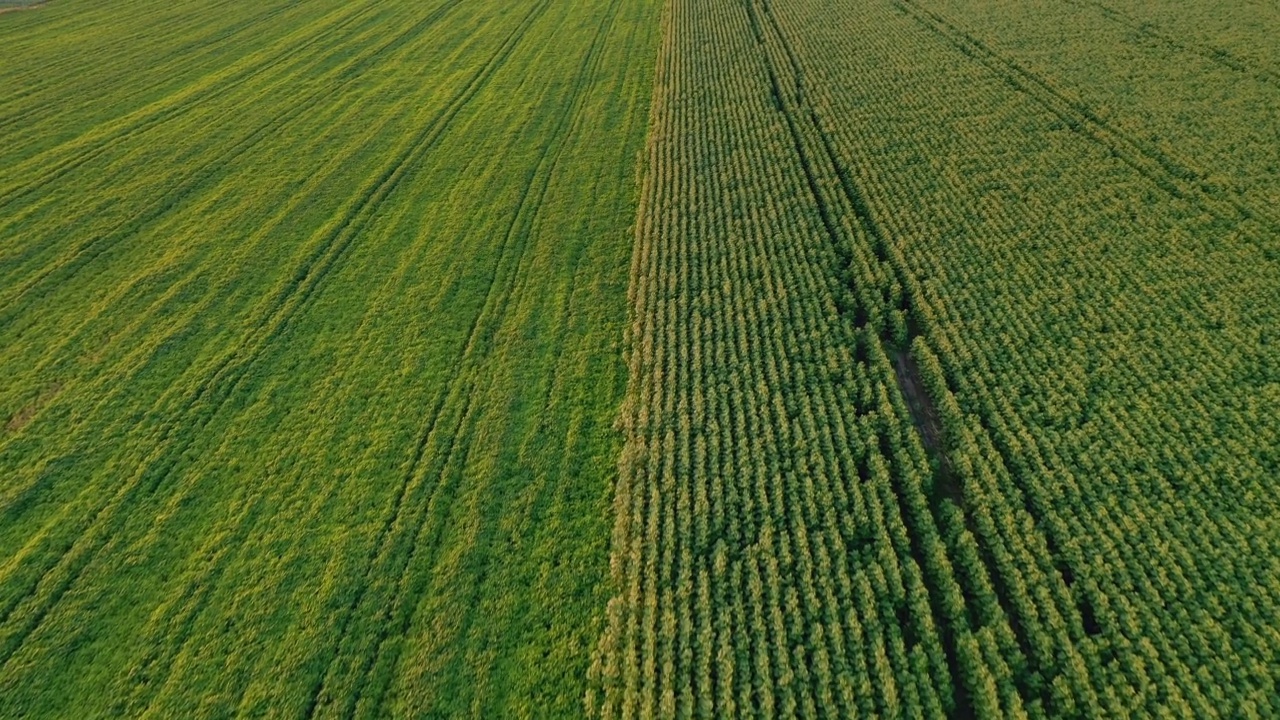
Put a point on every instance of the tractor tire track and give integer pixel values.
(1169, 174)
(801, 120)
(566, 127)
(44, 78)
(477, 342)
(281, 56)
(51, 356)
(134, 359)
(433, 427)
(1213, 54)
(229, 374)
(94, 246)
(167, 199)
(947, 484)
(279, 124)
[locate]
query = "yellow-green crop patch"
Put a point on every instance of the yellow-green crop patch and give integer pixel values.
(310, 329)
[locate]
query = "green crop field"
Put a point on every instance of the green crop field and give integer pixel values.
(640, 359)
(311, 343)
(1056, 255)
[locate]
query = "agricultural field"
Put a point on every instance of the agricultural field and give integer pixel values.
(640, 359)
(956, 375)
(310, 335)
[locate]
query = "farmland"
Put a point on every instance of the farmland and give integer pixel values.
(311, 334)
(954, 368)
(640, 358)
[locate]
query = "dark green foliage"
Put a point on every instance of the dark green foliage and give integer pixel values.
(968, 307)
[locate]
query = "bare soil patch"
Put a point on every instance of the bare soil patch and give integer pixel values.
(925, 416)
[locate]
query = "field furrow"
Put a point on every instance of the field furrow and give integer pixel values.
(924, 328)
(285, 275)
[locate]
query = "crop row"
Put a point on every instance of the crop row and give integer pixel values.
(948, 393)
